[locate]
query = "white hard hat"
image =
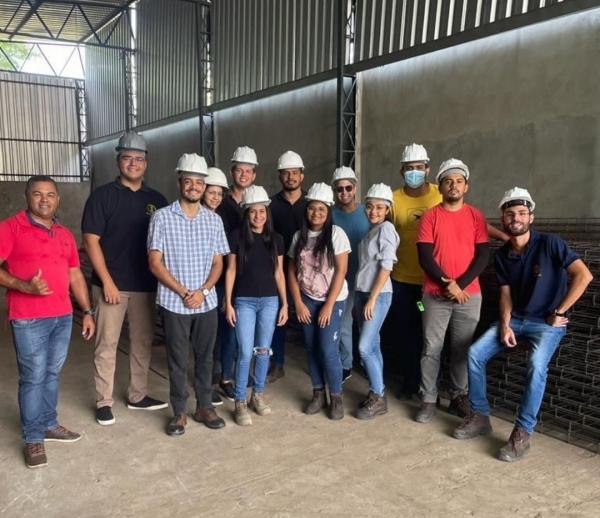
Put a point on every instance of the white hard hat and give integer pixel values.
(255, 194)
(290, 160)
(452, 165)
(414, 153)
(343, 173)
(192, 163)
(320, 192)
(380, 191)
(245, 155)
(517, 196)
(131, 140)
(216, 177)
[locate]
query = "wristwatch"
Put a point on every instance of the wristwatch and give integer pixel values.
(205, 292)
(89, 311)
(559, 314)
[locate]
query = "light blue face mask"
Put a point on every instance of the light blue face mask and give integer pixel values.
(414, 178)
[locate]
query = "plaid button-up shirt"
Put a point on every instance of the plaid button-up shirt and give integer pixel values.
(188, 247)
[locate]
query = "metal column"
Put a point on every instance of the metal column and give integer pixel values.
(346, 85)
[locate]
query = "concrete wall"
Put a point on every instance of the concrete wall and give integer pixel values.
(303, 121)
(521, 108)
(72, 200)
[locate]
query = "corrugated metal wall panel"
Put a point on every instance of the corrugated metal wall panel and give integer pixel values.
(167, 81)
(105, 85)
(36, 108)
(259, 44)
(385, 26)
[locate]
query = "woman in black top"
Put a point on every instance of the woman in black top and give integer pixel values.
(255, 298)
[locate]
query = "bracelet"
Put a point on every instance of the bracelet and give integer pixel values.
(559, 314)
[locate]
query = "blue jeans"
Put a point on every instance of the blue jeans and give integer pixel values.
(322, 346)
(279, 337)
(369, 343)
(544, 340)
(225, 345)
(256, 318)
(41, 345)
(346, 332)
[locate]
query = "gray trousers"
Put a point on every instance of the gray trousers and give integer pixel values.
(441, 313)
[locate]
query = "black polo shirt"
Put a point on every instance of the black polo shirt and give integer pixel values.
(231, 213)
(538, 276)
(258, 276)
(121, 217)
(287, 217)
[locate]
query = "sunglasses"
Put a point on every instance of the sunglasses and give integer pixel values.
(342, 188)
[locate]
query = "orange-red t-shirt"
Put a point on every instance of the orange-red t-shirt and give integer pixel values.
(454, 235)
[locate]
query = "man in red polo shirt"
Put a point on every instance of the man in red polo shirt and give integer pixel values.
(41, 265)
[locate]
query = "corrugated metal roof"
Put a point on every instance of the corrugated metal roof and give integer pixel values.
(69, 21)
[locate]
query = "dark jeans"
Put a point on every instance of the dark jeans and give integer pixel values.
(408, 330)
(41, 345)
(225, 345)
(182, 331)
(323, 346)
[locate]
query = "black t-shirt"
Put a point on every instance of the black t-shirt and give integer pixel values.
(121, 217)
(258, 276)
(231, 213)
(287, 218)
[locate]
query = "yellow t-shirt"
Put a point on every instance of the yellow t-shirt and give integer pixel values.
(406, 213)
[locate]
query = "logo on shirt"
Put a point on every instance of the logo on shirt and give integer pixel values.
(150, 209)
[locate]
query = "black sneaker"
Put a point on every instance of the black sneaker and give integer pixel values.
(104, 416)
(216, 399)
(346, 374)
(148, 403)
(228, 390)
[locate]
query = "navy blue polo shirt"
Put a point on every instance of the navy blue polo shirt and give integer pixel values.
(538, 276)
(287, 217)
(121, 217)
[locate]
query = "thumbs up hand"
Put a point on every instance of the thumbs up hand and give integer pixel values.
(38, 285)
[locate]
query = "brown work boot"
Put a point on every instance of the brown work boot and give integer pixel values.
(373, 406)
(336, 407)
(259, 403)
(177, 425)
(209, 417)
(426, 413)
(35, 455)
(242, 416)
(317, 403)
(516, 447)
(275, 372)
(61, 434)
(460, 406)
(473, 425)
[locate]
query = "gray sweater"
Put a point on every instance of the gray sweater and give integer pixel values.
(376, 250)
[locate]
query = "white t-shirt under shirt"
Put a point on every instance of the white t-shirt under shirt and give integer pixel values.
(313, 277)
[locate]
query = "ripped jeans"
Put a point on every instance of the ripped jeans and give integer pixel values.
(256, 318)
(323, 346)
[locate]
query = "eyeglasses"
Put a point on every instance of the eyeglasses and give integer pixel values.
(342, 188)
(136, 159)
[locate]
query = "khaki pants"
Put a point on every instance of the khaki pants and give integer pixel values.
(140, 309)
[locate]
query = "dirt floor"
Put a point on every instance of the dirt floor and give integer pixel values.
(286, 464)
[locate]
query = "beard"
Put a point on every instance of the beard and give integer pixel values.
(516, 230)
(189, 199)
